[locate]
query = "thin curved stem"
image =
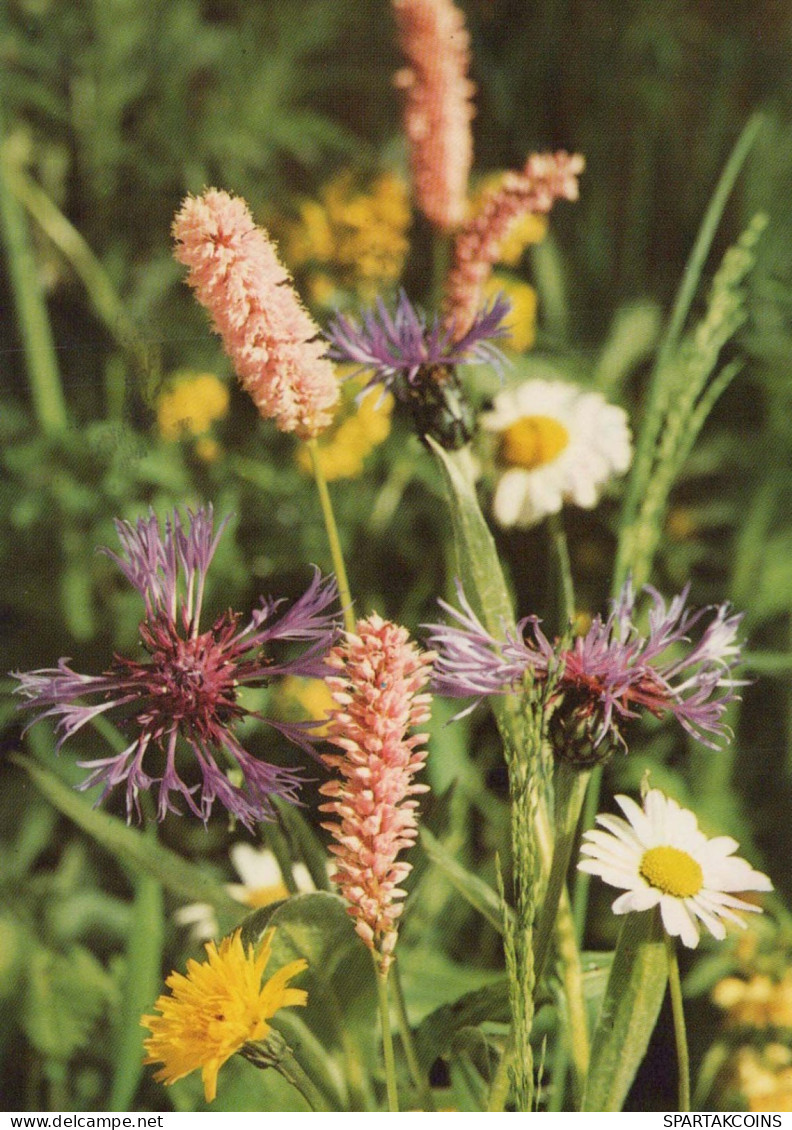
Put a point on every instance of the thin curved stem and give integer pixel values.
(332, 536)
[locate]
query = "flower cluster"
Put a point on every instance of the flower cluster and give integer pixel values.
(605, 676)
(377, 686)
(218, 1007)
(353, 236)
(660, 857)
(434, 39)
(272, 341)
(189, 685)
(546, 177)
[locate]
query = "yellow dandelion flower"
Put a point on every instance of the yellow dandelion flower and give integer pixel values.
(521, 322)
(357, 430)
(217, 1008)
(524, 232)
(191, 405)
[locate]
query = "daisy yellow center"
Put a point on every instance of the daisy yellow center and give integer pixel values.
(532, 441)
(672, 871)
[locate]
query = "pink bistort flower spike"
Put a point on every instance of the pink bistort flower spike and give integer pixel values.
(439, 109)
(272, 340)
(378, 685)
(546, 177)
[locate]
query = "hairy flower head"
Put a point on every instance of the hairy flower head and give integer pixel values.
(604, 677)
(272, 341)
(185, 693)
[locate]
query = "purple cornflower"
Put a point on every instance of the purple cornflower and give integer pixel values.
(187, 686)
(403, 343)
(607, 675)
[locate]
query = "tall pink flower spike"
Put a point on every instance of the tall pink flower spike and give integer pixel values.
(273, 342)
(546, 177)
(378, 692)
(439, 108)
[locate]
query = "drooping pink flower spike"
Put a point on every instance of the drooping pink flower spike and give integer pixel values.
(439, 108)
(184, 696)
(546, 177)
(607, 675)
(378, 682)
(274, 344)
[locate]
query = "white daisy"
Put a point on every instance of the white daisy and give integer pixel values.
(261, 885)
(556, 443)
(659, 856)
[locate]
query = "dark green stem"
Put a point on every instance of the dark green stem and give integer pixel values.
(680, 1031)
(387, 1038)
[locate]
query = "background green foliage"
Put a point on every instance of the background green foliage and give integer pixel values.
(115, 109)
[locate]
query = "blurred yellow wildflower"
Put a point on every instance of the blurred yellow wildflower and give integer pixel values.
(526, 230)
(306, 700)
(217, 1008)
(358, 428)
(760, 1002)
(190, 405)
(521, 321)
(357, 234)
(764, 1078)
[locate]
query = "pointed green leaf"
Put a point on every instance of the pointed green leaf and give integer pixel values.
(435, 1034)
(130, 846)
(141, 988)
(478, 893)
(65, 995)
(629, 1012)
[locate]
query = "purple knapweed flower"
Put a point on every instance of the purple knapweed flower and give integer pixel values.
(605, 676)
(417, 361)
(405, 342)
(187, 687)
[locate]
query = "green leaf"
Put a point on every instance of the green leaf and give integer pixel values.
(134, 848)
(478, 893)
(141, 988)
(339, 980)
(435, 1034)
(629, 1012)
(66, 994)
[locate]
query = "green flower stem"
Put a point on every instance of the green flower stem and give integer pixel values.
(387, 1039)
(680, 1032)
(570, 790)
(34, 326)
(332, 536)
(559, 537)
(582, 878)
(441, 260)
(403, 1021)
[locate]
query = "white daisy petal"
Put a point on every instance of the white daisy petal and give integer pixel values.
(638, 819)
(642, 898)
(678, 922)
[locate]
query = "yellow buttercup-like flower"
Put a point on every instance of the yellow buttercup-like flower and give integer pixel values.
(358, 428)
(191, 405)
(357, 234)
(216, 1008)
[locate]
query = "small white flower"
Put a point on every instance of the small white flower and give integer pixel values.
(556, 443)
(261, 885)
(659, 856)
